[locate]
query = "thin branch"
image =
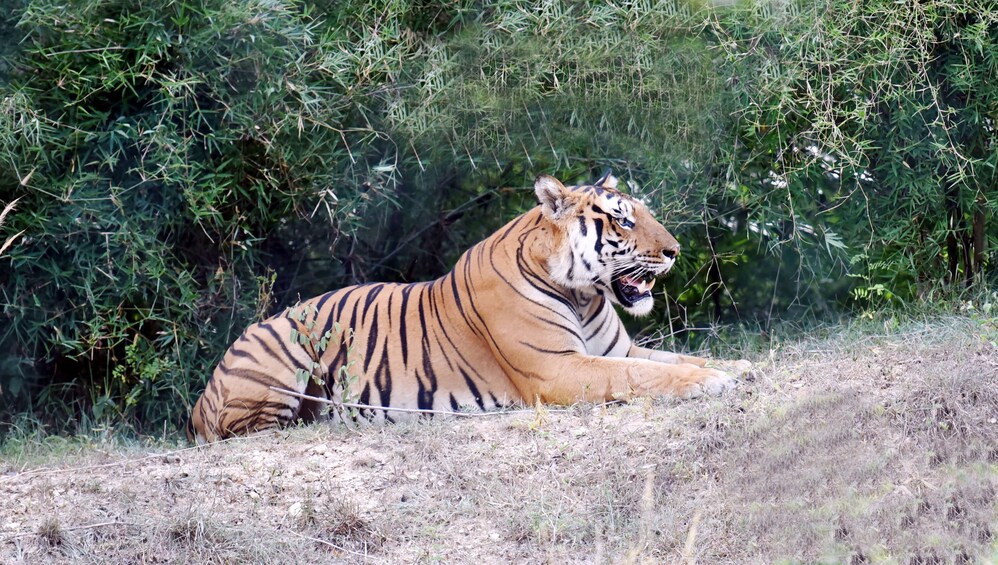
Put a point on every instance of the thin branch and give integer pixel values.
(478, 199)
(98, 525)
(3, 216)
(92, 50)
(689, 548)
(330, 544)
(70, 529)
(9, 241)
(407, 410)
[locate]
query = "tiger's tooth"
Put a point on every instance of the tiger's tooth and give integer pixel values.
(651, 284)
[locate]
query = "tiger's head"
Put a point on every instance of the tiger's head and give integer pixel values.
(605, 241)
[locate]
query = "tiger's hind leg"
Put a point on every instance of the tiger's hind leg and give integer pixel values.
(245, 394)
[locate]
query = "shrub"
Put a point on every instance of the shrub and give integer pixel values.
(165, 153)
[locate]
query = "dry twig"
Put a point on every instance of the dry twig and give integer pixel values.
(70, 529)
(3, 216)
(407, 410)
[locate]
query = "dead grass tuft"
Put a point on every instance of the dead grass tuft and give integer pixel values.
(50, 532)
(196, 530)
(203, 536)
(347, 527)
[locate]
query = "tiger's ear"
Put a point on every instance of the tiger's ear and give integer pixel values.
(607, 180)
(556, 200)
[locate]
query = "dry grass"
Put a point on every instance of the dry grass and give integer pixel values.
(860, 448)
(3, 216)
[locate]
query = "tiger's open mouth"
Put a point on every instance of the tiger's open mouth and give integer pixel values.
(630, 290)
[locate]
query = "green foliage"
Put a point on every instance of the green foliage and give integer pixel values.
(341, 389)
(163, 151)
(808, 155)
(874, 121)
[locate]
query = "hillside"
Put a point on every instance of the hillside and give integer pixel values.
(864, 447)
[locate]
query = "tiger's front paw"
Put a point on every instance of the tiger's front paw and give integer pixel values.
(705, 381)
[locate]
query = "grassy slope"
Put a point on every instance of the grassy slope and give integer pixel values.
(863, 447)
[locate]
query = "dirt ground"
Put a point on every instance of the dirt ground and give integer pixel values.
(871, 447)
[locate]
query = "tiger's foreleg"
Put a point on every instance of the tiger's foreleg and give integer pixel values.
(570, 378)
(739, 368)
(637, 352)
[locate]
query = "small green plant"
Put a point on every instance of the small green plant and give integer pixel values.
(305, 336)
(303, 513)
(342, 387)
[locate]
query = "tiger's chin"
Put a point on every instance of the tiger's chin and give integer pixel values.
(633, 294)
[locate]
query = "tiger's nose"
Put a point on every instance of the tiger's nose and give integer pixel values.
(671, 251)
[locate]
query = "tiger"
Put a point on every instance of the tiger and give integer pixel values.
(526, 315)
